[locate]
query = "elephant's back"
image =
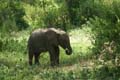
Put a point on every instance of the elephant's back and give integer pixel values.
(37, 40)
(44, 38)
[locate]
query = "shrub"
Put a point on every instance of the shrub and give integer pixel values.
(11, 14)
(47, 13)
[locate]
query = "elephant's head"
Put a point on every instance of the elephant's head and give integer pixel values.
(64, 42)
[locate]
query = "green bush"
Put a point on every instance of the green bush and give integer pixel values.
(106, 37)
(11, 15)
(80, 11)
(13, 45)
(14, 41)
(104, 20)
(49, 14)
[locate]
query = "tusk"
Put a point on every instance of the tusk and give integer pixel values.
(66, 49)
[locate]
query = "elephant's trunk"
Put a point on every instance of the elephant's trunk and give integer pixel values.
(68, 51)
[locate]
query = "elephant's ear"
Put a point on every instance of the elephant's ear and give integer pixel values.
(60, 37)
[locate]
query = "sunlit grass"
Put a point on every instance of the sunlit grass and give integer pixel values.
(81, 41)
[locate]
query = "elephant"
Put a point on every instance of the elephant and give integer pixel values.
(48, 39)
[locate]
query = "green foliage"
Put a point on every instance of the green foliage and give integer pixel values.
(80, 10)
(14, 42)
(23, 72)
(106, 39)
(11, 15)
(14, 45)
(47, 13)
(106, 32)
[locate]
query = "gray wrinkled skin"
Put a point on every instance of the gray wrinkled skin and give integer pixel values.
(42, 40)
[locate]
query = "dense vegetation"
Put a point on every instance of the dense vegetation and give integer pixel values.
(94, 29)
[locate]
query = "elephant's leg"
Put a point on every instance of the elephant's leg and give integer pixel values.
(54, 56)
(36, 55)
(57, 55)
(30, 58)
